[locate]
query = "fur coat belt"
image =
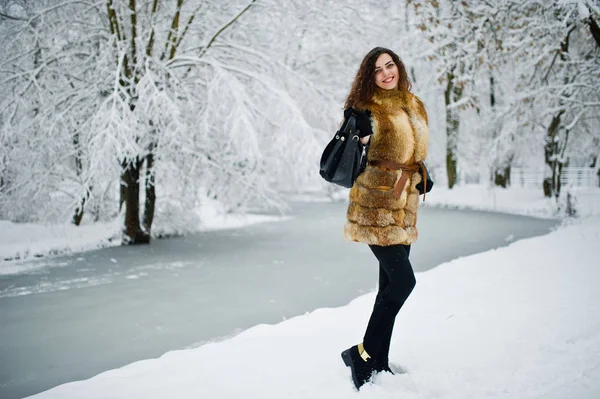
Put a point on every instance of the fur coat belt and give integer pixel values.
(384, 199)
(404, 176)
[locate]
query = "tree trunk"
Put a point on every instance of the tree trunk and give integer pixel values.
(130, 182)
(451, 94)
(79, 212)
(552, 153)
(551, 156)
(150, 193)
(594, 30)
(122, 194)
(502, 177)
(500, 174)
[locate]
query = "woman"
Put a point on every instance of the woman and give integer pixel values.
(385, 197)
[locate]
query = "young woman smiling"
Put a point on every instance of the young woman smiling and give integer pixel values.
(385, 198)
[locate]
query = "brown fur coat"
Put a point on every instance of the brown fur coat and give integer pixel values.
(400, 134)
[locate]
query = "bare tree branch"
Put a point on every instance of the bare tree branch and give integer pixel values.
(172, 36)
(216, 35)
(11, 17)
(187, 26)
(151, 40)
(133, 17)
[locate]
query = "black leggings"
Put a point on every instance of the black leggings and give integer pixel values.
(396, 276)
(396, 282)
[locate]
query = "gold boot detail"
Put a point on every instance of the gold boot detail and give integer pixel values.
(363, 353)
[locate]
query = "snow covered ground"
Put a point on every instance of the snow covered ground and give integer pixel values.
(520, 201)
(521, 321)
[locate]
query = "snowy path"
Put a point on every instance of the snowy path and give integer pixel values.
(104, 309)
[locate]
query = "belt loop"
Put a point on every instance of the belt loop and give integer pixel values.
(400, 184)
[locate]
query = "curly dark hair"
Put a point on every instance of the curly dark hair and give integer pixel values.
(364, 86)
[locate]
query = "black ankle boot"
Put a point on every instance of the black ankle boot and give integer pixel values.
(362, 370)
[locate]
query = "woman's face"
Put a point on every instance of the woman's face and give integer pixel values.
(386, 72)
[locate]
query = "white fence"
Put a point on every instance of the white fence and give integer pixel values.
(570, 177)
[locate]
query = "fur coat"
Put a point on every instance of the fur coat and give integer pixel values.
(400, 134)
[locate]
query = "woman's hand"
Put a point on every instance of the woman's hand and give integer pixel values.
(363, 121)
(365, 140)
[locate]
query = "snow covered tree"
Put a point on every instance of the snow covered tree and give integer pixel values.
(97, 77)
(143, 109)
(462, 43)
(559, 78)
(200, 99)
(537, 61)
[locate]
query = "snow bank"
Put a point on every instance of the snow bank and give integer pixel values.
(24, 241)
(28, 240)
(519, 322)
(520, 201)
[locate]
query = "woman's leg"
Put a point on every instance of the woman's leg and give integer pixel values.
(383, 355)
(381, 358)
(383, 276)
(396, 282)
(383, 282)
(393, 261)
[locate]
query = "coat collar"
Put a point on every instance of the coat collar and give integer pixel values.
(395, 97)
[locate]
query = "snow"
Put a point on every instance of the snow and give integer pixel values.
(584, 12)
(20, 242)
(522, 321)
(519, 201)
(28, 240)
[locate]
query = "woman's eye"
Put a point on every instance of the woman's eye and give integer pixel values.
(390, 66)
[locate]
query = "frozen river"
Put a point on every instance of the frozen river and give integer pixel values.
(84, 314)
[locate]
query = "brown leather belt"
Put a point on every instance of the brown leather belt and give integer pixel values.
(406, 171)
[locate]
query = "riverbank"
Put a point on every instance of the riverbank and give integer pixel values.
(21, 242)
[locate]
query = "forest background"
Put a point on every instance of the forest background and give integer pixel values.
(145, 110)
